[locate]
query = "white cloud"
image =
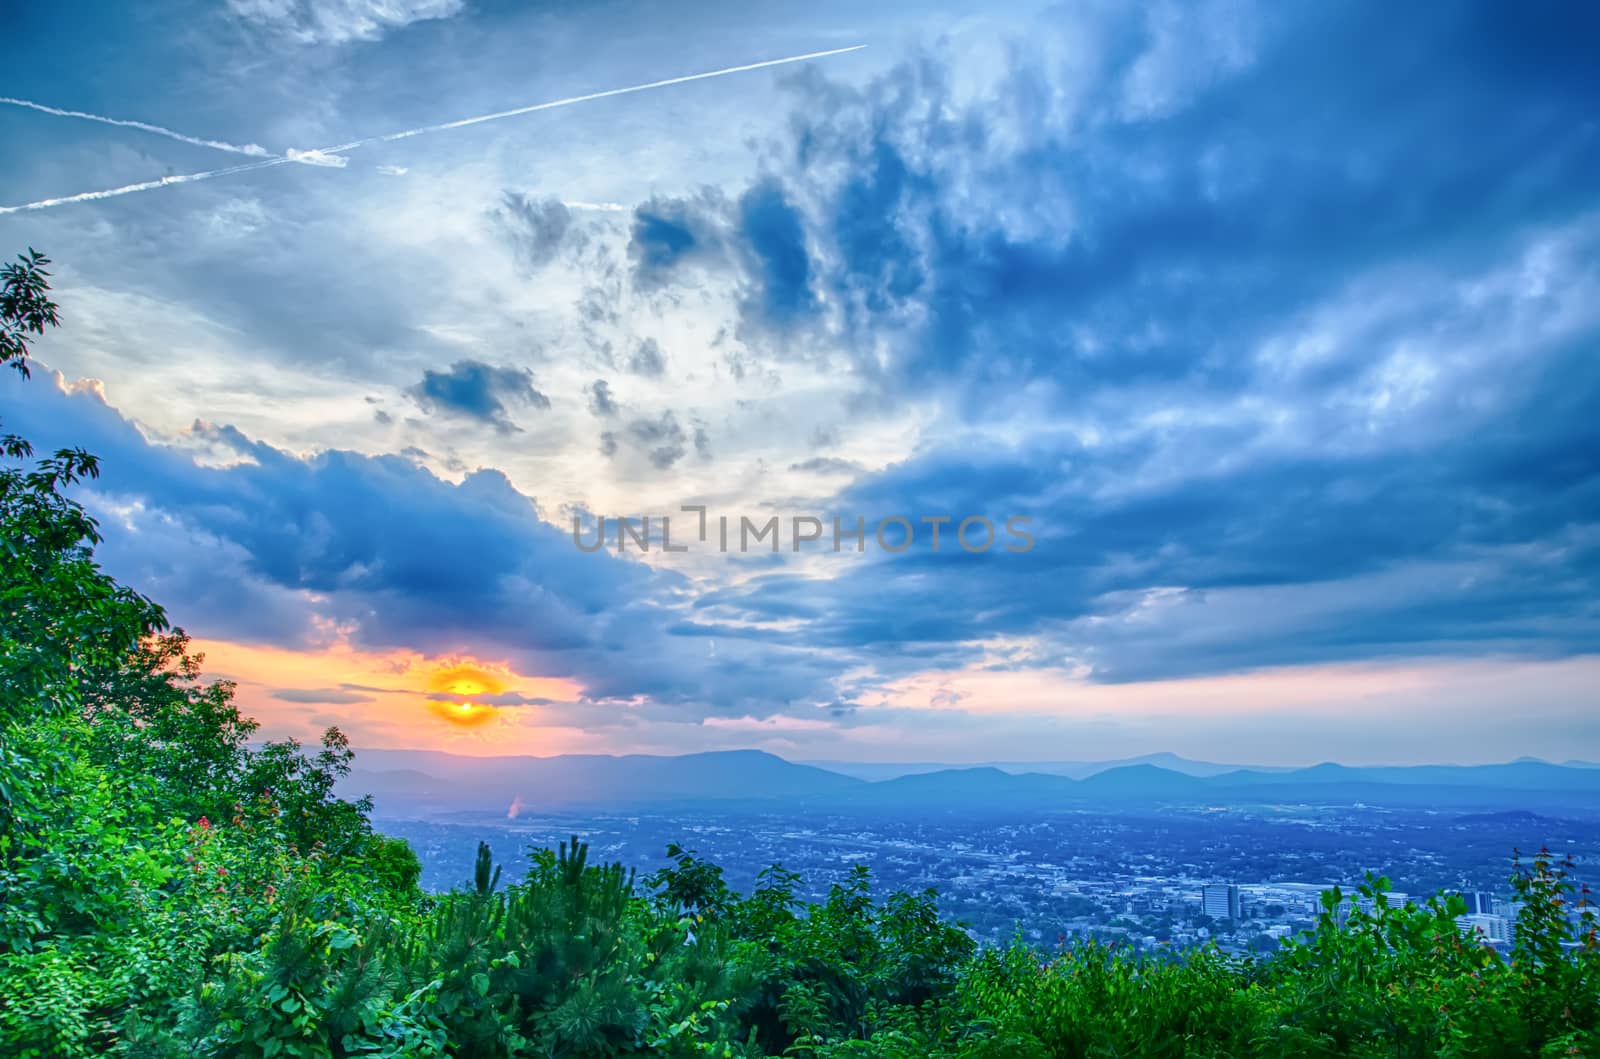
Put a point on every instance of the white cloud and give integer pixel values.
(316, 157)
(341, 21)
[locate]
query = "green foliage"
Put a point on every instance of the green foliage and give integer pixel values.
(25, 307)
(167, 890)
(141, 839)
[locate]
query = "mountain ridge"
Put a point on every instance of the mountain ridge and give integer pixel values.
(429, 781)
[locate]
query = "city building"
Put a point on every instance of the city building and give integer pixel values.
(1220, 901)
(1485, 927)
(1505, 906)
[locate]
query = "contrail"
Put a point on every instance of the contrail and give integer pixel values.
(252, 149)
(320, 155)
(496, 116)
(128, 189)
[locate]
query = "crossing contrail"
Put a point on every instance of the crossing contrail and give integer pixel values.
(324, 156)
(252, 149)
(148, 185)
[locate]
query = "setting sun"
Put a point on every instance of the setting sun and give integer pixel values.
(466, 714)
(466, 680)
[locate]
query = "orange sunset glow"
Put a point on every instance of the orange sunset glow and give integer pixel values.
(466, 714)
(384, 698)
(464, 678)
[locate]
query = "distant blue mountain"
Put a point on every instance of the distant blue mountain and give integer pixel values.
(961, 788)
(875, 771)
(1517, 775)
(1142, 781)
(411, 780)
(423, 782)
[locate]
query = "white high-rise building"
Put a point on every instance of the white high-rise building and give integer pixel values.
(1220, 901)
(1484, 927)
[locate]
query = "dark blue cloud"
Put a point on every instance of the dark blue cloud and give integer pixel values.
(537, 229)
(826, 465)
(278, 548)
(1295, 352)
(601, 402)
(878, 263)
(662, 440)
(660, 241)
(478, 391)
(647, 359)
(772, 231)
(1459, 547)
(670, 232)
(1027, 245)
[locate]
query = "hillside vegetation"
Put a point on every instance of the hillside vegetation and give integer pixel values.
(168, 890)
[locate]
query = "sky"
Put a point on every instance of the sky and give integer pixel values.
(1243, 355)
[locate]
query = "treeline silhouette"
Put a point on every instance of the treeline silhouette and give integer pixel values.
(166, 889)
